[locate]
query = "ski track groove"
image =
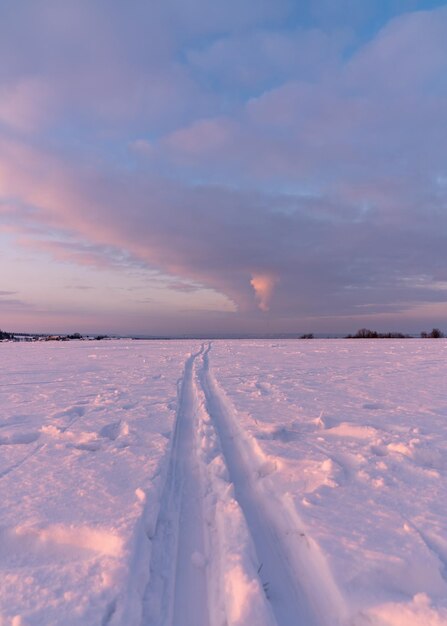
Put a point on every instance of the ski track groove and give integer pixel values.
(179, 532)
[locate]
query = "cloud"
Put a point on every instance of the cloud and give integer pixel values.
(112, 65)
(11, 305)
(79, 252)
(263, 285)
(183, 287)
(231, 152)
(25, 104)
(263, 59)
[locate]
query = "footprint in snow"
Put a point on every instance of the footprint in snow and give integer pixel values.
(19, 438)
(72, 411)
(372, 406)
(114, 430)
(88, 447)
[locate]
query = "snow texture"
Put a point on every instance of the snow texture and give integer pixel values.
(224, 483)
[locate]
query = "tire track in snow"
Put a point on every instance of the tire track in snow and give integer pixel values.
(177, 590)
(293, 571)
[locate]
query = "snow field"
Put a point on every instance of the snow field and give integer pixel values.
(224, 484)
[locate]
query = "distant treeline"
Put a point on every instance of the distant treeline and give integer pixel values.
(362, 333)
(365, 333)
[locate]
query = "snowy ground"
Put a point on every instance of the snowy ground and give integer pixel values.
(295, 483)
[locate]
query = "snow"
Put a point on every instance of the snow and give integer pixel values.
(239, 483)
(85, 430)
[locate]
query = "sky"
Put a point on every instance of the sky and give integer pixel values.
(249, 166)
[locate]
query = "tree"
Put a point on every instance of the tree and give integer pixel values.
(365, 333)
(436, 334)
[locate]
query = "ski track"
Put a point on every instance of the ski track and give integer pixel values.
(290, 602)
(291, 569)
(178, 544)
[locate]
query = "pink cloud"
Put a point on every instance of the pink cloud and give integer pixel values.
(263, 285)
(203, 137)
